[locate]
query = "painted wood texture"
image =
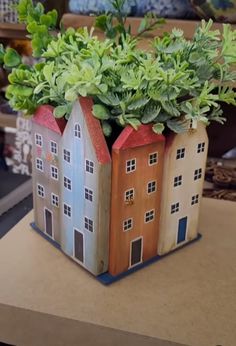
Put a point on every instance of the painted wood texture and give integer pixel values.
(132, 245)
(183, 177)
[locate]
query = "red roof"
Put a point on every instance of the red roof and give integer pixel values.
(44, 116)
(95, 130)
(131, 138)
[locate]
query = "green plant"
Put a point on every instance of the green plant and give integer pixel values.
(175, 82)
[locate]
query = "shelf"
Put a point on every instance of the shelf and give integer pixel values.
(12, 31)
(8, 120)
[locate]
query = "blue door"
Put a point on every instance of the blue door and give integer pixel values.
(182, 230)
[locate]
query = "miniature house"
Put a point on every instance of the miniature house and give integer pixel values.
(111, 212)
(184, 170)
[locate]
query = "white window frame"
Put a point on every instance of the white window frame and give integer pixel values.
(195, 199)
(87, 221)
(54, 172)
(180, 153)
(40, 191)
(39, 164)
(75, 258)
(150, 184)
(67, 183)
(77, 130)
(150, 158)
(89, 193)
(201, 147)
(127, 193)
(89, 166)
(53, 148)
(197, 174)
(55, 200)
(178, 180)
(131, 165)
(148, 214)
(67, 155)
(38, 138)
(128, 224)
(175, 207)
(68, 209)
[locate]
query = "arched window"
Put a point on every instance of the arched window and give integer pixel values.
(77, 131)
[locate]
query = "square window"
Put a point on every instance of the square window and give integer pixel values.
(200, 147)
(180, 153)
(40, 191)
(67, 183)
(153, 159)
(54, 172)
(129, 195)
(67, 155)
(195, 199)
(178, 180)
(89, 166)
(197, 174)
(77, 131)
(149, 216)
(53, 147)
(88, 194)
(127, 225)
(67, 210)
(55, 200)
(38, 140)
(175, 208)
(151, 186)
(88, 224)
(130, 165)
(39, 164)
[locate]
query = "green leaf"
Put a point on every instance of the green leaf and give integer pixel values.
(158, 128)
(107, 129)
(150, 114)
(135, 123)
(178, 126)
(60, 111)
(11, 58)
(101, 112)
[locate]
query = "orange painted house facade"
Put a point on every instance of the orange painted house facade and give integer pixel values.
(137, 166)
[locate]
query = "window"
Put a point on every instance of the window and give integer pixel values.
(153, 158)
(127, 225)
(55, 200)
(53, 147)
(180, 153)
(40, 191)
(149, 215)
(88, 194)
(201, 147)
(174, 208)
(77, 131)
(178, 180)
(54, 172)
(195, 199)
(197, 174)
(38, 140)
(129, 195)
(39, 164)
(151, 186)
(130, 165)
(89, 166)
(88, 224)
(66, 155)
(67, 210)
(67, 183)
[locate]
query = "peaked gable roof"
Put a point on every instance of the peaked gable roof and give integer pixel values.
(131, 138)
(95, 131)
(44, 117)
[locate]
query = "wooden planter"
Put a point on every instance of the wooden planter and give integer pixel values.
(112, 211)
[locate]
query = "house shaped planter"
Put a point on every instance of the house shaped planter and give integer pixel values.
(111, 211)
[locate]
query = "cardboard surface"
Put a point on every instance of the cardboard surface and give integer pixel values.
(188, 297)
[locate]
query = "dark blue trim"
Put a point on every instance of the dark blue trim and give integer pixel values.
(108, 279)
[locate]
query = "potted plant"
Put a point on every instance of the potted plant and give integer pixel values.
(119, 133)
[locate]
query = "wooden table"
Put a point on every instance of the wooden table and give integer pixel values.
(187, 298)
